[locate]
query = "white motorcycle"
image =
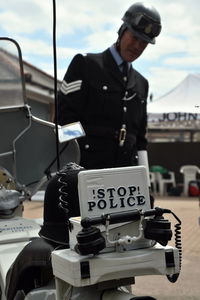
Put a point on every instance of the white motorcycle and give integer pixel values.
(27, 156)
(117, 236)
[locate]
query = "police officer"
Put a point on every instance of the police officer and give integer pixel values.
(108, 96)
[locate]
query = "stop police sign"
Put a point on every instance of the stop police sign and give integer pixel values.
(112, 190)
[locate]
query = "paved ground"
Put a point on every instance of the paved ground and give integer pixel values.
(188, 285)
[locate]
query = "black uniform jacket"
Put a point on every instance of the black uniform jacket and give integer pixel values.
(95, 93)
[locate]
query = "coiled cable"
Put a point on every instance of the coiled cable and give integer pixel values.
(68, 191)
(178, 244)
(63, 203)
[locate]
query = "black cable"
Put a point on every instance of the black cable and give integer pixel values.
(178, 244)
(63, 198)
(55, 84)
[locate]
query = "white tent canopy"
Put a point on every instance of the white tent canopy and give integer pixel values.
(180, 104)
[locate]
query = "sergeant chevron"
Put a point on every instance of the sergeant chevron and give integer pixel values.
(71, 87)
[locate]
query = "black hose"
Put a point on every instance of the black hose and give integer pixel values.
(55, 84)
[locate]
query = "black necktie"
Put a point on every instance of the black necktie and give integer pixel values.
(125, 68)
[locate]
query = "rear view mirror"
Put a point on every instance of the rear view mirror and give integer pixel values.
(70, 131)
(12, 90)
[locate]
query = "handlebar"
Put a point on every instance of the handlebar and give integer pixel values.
(122, 217)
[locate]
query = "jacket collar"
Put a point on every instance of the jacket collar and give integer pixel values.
(113, 68)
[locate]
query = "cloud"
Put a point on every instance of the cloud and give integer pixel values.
(162, 80)
(26, 17)
(91, 26)
(186, 61)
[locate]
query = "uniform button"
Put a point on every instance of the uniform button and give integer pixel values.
(125, 109)
(105, 87)
(87, 146)
(125, 78)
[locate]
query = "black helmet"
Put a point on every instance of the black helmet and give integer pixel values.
(143, 20)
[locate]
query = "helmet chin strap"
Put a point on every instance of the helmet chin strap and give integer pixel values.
(118, 46)
(120, 32)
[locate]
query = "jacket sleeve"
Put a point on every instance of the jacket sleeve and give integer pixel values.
(72, 93)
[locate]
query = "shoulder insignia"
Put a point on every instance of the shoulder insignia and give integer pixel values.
(71, 87)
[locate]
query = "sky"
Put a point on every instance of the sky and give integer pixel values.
(91, 26)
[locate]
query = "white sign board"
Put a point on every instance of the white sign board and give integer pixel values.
(173, 117)
(112, 190)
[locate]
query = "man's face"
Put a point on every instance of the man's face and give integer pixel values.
(131, 47)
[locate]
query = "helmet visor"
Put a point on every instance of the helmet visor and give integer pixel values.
(146, 25)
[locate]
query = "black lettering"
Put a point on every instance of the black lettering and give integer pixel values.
(121, 191)
(182, 116)
(112, 205)
(132, 189)
(100, 193)
(140, 200)
(130, 201)
(91, 204)
(122, 202)
(169, 117)
(178, 116)
(192, 116)
(172, 116)
(110, 190)
(101, 204)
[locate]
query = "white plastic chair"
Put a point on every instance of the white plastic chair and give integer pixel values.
(189, 173)
(153, 181)
(163, 182)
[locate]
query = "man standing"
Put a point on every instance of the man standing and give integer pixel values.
(108, 96)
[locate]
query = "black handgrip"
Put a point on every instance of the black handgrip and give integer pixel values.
(114, 218)
(157, 211)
